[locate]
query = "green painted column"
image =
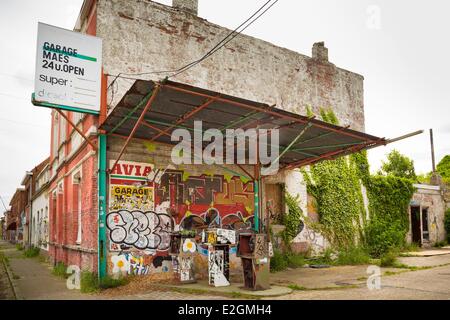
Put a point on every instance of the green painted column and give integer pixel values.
(256, 213)
(102, 254)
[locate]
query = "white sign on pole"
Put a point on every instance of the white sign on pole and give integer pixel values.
(68, 70)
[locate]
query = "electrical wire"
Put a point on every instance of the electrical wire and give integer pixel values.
(233, 34)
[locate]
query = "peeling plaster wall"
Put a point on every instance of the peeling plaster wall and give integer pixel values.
(141, 36)
(434, 201)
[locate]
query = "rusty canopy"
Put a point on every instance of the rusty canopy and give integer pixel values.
(151, 111)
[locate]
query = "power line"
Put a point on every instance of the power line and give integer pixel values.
(213, 50)
(233, 35)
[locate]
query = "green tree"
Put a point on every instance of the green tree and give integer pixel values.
(443, 168)
(398, 165)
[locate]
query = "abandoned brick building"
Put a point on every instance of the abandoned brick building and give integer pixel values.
(143, 36)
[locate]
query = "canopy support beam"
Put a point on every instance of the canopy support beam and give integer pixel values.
(149, 103)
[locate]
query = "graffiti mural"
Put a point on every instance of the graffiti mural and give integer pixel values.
(130, 263)
(141, 230)
(147, 204)
(315, 239)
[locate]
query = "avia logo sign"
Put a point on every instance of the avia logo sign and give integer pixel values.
(128, 169)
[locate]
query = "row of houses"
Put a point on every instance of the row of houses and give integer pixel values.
(26, 220)
(110, 198)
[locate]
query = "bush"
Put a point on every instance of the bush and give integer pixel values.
(447, 224)
(89, 282)
(353, 256)
(383, 236)
(19, 246)
(325, 259)
(60, 270)
(295, 260)
(281, 261)
(389, 259)
(278, 262)
(31, 252)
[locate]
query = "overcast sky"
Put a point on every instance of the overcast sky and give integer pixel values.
(401, 47)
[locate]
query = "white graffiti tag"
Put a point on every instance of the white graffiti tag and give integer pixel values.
(143, 230)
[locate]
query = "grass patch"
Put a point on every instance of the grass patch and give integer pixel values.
(109, 282)
(89, 282)
(389, 259)
(281, 261)
(60, 270)
(19, 246)
(440, 244)
(297, 287)
(31, 252)
(301, 288)
(353, 256)
(411, 247)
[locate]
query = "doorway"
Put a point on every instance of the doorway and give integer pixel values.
(415, 225)
(425, 231)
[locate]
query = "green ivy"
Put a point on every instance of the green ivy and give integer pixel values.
(336, 187)
(292, 220)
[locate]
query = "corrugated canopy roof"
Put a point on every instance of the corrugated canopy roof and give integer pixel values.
(303, 140)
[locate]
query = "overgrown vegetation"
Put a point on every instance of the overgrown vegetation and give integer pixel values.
(337, 188)
(447, 224)
(283, 260)
(60, 270)
(19, 246)
(389, 259)
(292, 219)
(31, 252)
(443, 168)
(89, 282)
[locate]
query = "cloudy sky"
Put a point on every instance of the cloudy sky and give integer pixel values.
(402, 47)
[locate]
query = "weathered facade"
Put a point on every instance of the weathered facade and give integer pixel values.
(40, 208)
(72, 192)
(30, 184)
(140, 37)
(426, 215)
(15, 218)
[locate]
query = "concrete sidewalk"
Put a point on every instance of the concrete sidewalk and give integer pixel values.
(34, 280)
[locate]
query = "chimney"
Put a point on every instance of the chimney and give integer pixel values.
(190, 6)
(320, 52)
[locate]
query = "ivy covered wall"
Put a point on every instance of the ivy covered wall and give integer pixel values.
(336, 186)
